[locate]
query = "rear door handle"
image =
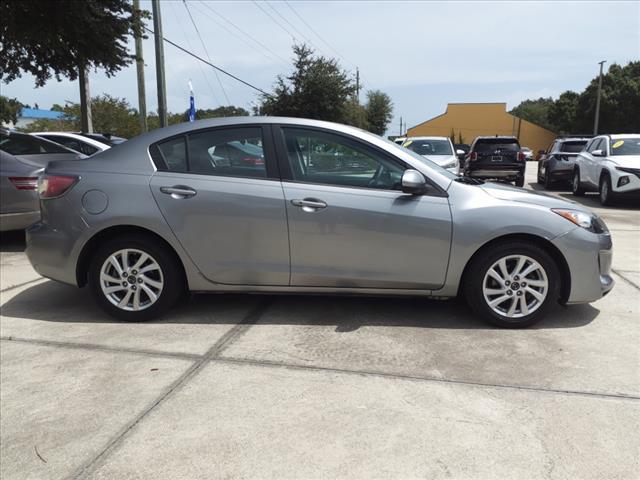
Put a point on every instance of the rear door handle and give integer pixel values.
(309, 204)
(179, 191)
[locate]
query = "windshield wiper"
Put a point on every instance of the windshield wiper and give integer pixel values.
(469, 181)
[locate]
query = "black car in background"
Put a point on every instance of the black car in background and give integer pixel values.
(557, 162)
(496, 158)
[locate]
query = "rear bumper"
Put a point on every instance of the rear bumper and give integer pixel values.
(51, 253)
(484, 170)
(18, 221)
(588, 257)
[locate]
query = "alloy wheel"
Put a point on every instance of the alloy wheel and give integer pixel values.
(131, 279)
(515, 286)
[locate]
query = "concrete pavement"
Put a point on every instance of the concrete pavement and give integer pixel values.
(246, 386)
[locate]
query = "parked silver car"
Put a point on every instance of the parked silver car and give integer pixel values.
(19, 203)
(327, 209)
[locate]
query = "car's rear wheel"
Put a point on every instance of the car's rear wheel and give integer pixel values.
(512, 284)
(548, 183)
(576, 186)
(519, 182)
(135, 278)
(606, 195)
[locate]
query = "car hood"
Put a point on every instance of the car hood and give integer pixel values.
(515, 194)
(441, 159)
(626, 161)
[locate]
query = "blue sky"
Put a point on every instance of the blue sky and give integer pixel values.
(423, 54)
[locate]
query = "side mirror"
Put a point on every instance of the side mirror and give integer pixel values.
(413, 182)
(598, 153)
(460, 154)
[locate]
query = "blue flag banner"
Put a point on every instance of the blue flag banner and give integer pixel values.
(192, 104)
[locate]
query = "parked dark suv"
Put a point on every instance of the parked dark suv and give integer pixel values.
(556, 164)
(498, 158)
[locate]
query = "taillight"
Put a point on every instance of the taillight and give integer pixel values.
(254, 160)
(52, 186)
(24, 183)
(473, 157)
(521, 156)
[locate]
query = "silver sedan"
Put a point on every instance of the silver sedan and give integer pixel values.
(260, 204)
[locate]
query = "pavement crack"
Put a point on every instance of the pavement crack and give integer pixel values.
(103, 348)
(633, 284)
(212, 354)
(400, 376)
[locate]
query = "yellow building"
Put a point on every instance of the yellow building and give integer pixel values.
(482, 119)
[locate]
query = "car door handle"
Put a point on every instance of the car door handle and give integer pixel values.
(178, 191)
(309, 204)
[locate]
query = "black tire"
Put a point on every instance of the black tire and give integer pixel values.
(548, 183)
(483, 261)
(606, 195)
(174, 284)
(519, 182)
(576, 186)
(539, 178)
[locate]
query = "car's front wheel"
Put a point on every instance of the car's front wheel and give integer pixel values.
(135, 278)
(606, 195)
(512, 284)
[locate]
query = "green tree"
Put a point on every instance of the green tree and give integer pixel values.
(63, 38)
(317, 88)
(619, 104)
(355, 114)
(9, 109)
(379, 110)
(562, 114)
(535, 111)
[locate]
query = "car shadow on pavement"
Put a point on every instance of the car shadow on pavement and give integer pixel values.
(12, 241)
(54, 302)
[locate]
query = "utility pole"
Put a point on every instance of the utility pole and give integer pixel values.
(162, 86)
(86, 120)
(358, 84)
(400, 126)
(142, 101)
(595, 121)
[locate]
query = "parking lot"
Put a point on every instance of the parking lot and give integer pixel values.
(250, 386)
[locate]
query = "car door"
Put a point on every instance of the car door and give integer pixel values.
(590, 162)
(349, 223)
(230, 219)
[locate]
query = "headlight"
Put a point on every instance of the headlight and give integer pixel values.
(451, 164)
(588, 221)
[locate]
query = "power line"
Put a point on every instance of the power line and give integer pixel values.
(290, 24)
(205, 50)
(211, 64)
(206, 79)
(273, 55)
(275, 21)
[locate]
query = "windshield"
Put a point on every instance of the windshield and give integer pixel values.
(426, 161)
(625, 146)
(572, 147)
(429, 147)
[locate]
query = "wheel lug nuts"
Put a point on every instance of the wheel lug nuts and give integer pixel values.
(124, 284)
(507, 283)
(509, 292)
(516, 278)
(519, 294)
(523, 284)
(135, 272)
(133, 287)
(139, 280)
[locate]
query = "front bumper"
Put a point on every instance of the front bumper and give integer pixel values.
(588, 257)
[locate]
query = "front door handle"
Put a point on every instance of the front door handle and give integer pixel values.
(309, 204)
(178, 191)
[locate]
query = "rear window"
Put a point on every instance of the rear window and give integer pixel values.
(429, 147)
(28, 145)
(572, 147)
(490, 145)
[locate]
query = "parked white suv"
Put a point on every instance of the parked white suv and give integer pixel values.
(437, 149)
(609, 164)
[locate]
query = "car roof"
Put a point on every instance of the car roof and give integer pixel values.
(80, 138)
(573, 139)
(496, 137)
(624, 135)
(422, 137)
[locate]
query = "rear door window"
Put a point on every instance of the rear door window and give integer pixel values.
(229, 152)
(490, 146)
(28, 145)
